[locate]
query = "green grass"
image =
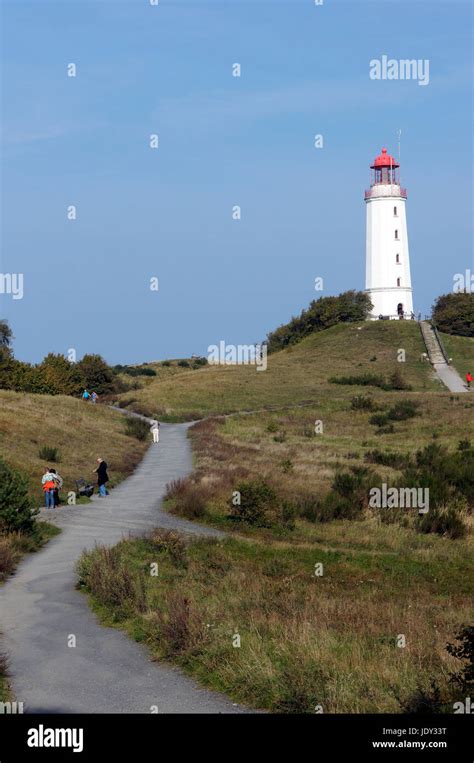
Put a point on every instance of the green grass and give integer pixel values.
(296, 376)
(461, 350)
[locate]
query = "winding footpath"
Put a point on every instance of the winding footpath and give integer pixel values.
(106, 672)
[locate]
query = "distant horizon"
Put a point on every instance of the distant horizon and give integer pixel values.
(86, 86)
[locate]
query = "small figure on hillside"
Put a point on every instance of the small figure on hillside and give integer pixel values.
(155, 430)
(58, 483)
(469, 379)
(94, 397)
(49, 485)
(102, 477)
(85, 395)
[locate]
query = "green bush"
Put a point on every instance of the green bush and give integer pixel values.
(394, 382)
(16, 508)
(403, 410)
(137, 428)
(387, 458)
(351, 306)
(454, 313)
(363, 403)
(445, 520)
(362, 380)
(184, 363)
(50, 454)
(256, 499)
(464, 650)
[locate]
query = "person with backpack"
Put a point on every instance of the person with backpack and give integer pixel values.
(48, 483)
(102, 477)
(58, 483)
(469, 379)
(85, 395)
(94, 397)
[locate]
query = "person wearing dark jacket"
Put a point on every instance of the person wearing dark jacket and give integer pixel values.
(102, 477)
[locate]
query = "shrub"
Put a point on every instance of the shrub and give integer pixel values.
(180, 626)
(309, 507)
(454, 313)
(138, 428)
(387, 458)
(363, 380)
(166, 363)
(16, 512)
(280, 437)
(464, 651)
(349, 493)
(351, 306)
(190, 498)
(104, 572)
(446, 520)
(7, 558)
(403, 410)
(397, 382)
(256, 499)
(172, 544)
(48, 453)
(363, 403)
(138, 371)
(394, 382)
(184, 363)
(272, 427)
(426, 701)
(379, 419)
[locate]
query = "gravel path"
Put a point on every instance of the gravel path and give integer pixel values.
(106, 672)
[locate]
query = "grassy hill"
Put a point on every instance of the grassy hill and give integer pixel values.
(80, 431)
(294, 376)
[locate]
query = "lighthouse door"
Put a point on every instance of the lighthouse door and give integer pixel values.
(400, 310)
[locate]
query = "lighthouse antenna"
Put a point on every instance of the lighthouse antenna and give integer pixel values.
(399, 149)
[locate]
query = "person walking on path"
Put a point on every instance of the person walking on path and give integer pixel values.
(94, 397)
(102, 477)
(85, 395)
(469, 379)
(58, 483)
(49, 485)
(155, 430)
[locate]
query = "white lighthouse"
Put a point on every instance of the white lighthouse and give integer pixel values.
(387, 272)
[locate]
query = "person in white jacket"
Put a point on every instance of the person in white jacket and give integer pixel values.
(155, 430)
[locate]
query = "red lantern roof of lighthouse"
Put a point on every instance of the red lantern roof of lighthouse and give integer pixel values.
(384, 160)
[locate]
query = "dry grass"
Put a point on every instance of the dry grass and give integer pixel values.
(304, 640)
(80, 431)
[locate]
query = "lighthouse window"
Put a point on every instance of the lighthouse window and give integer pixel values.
(398, 258)
(395, 213)
(398, 282)
(396, 234)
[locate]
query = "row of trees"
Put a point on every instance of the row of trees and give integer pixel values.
(55, 375)
(350, 306)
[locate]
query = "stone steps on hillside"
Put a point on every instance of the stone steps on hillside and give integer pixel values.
(433, 347)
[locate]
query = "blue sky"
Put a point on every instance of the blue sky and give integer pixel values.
(223, 141)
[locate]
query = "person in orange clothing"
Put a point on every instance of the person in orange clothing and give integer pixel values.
(469, 379)
(49, 485)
